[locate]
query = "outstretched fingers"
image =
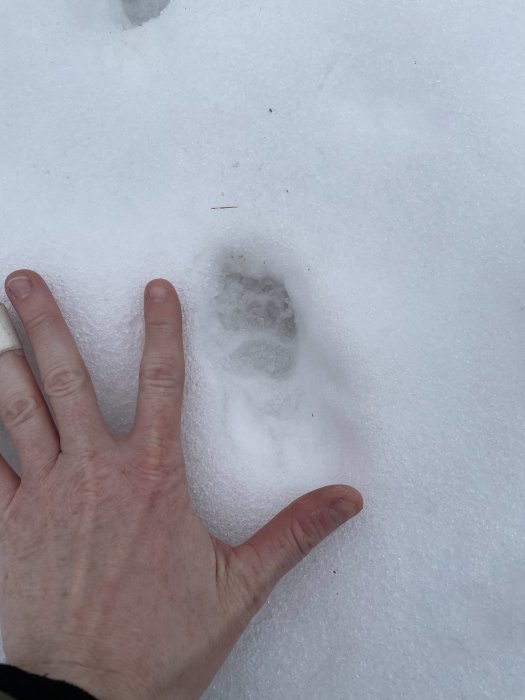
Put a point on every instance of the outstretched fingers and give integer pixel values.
(161, 377)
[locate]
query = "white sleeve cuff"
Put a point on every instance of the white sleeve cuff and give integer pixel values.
(8, 336)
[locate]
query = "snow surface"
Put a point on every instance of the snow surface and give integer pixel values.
(359, 316)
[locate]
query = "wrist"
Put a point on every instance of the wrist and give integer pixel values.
(19, 683)
(101, 684)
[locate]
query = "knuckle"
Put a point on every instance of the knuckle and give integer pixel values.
(161, 324)
(19, 410)
(38, 321)
(156, 472)
(161, 375)
(160, 329)
(93, 485)
(304, 535)
(64, 381)
(155, 455)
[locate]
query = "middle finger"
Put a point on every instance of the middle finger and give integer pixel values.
(64, 375)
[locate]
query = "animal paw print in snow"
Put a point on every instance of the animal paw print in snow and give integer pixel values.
(141, 11)
(259, 320)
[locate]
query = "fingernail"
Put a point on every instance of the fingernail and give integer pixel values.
(340, 511)
(157, 292)
(19, 287)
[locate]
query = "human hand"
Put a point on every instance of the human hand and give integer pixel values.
(109, 580)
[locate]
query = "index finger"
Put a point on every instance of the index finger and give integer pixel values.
(65, 378)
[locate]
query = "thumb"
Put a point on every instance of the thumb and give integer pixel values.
(283, 542)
